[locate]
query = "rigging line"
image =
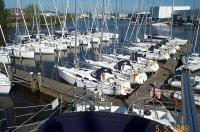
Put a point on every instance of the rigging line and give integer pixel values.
(56, 8)
(65, 17)
(191, 28)
(94, 18)
(44, 17)
(22, 13)
(83, 17)
(107, 11)
(102, 24)
(50, 15)
(134, 8)
(30, 118)
(140, 25)
(150, 27)
(70, 12)
(137, 20)
(122, 39)
(172, 19)
(116, 26)
(197, 34)
(145, 28)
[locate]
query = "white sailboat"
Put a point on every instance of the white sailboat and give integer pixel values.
(102, 79)
(5, 83)
(21, 51)
(4, 57)
(176, 82)
(95, 102)
(158, 112)
(192, 62)
(123, 70)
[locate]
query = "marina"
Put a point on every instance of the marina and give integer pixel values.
(71, 65)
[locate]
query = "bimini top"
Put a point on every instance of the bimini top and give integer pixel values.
(100, 122)
(119, 64)
(99, 71)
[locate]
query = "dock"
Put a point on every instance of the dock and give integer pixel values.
(160, 76)
(40, 84)
(37, 83)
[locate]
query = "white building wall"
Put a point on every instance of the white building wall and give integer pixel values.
(166, 11)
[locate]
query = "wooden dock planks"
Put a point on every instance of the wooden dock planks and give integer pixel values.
(36, 82)
(160, 76)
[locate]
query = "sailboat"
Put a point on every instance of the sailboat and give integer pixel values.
(156, 112)
(123, 70)
(20, 50)
(192, 62)
(4, 57)
(101, 79)
(5, 83)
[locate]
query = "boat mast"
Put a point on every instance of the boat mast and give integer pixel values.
(44, 18)
(4, 39)
(172, 19)
(1, 54)
(36, 19)
(195, 44)
(22, 13)
(116, 13)
(102, 25)
(75, 32)
(122, 38)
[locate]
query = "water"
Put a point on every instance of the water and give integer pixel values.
(21, 97)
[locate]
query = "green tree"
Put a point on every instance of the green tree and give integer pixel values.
(30, 12)
(3, 21)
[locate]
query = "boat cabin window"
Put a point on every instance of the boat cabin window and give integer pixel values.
(78, 75)
(86, 78)
(197, 83)
(94, 81)
(83, 69)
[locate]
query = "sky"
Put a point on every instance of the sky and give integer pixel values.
(89, 5)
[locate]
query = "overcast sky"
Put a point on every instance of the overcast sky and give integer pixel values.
(89, 5)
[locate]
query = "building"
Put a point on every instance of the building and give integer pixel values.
(187, 15)
(122, 16)
(48, 13)
(163, 12)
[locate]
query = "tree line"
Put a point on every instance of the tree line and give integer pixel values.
(30, 12)
(3, 21)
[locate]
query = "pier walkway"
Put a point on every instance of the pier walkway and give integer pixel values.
(160, 76)
(38, 83)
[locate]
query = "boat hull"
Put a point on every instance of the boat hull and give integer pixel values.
(91, 85)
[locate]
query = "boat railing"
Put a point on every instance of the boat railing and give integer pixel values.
(148, 102)
(19, 117)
